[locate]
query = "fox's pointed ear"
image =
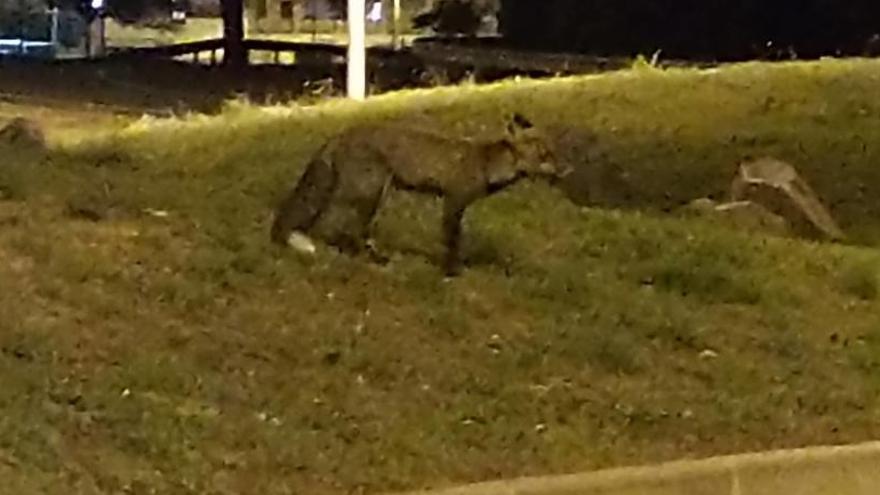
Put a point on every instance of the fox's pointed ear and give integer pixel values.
(518, 123)
(511, 127)
(522, 122)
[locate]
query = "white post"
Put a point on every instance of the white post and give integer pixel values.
(357, 50)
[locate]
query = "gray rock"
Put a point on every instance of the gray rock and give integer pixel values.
(779, 188)
(740, 215)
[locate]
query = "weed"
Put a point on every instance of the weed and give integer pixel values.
(861, 279)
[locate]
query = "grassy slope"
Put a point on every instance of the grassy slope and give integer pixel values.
(184, 355)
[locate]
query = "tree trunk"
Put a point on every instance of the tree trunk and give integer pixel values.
(234, 55)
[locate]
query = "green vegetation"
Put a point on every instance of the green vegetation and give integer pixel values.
(152, 339)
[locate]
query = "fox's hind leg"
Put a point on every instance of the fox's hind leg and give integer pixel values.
(369, 222)
(348, 220)
(362, 184)
(302, 206)
(365, 206)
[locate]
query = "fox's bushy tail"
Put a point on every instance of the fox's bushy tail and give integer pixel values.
(302, 206)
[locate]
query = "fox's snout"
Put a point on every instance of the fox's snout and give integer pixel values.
(566, 171)
(547, 168)
(551, 168)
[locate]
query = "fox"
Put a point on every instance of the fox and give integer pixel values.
(337, 197)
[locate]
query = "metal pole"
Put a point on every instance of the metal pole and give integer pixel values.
(88, 40)
(235, 54)
(54, 34)
(102, 35)
(395, 34)
(314, 21)
(357, 50)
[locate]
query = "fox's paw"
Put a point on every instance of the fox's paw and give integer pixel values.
(452, 270)
(374, 255)
(377, 257)
(301, 243)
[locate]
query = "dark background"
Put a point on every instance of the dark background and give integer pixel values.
(719, 29)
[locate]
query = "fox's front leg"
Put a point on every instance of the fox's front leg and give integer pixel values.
(453, 211)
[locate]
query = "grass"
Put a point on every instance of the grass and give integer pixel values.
(183, 354)
(66, 122)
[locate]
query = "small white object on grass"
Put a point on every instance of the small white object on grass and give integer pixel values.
(708, 354)
(156, 213)
(302, 243)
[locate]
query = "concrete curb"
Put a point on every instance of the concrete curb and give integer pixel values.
(845, 470)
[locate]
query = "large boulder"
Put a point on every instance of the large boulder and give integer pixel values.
(595, 180)
(778, 187)
(23, 133)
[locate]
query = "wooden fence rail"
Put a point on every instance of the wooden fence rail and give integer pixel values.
(195, 49)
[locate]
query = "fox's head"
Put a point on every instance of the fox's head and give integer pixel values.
(534, 155)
